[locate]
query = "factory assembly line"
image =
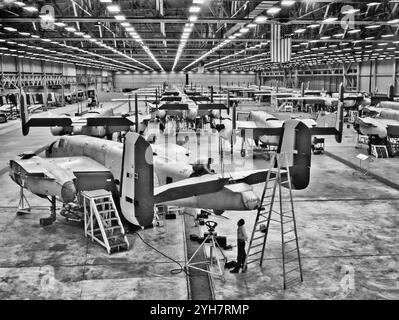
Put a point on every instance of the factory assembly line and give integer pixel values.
(199, 150)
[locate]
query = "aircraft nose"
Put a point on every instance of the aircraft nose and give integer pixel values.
(68, 192)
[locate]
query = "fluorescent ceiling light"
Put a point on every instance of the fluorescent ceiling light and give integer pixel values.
(387, 35)
(31, 9)
(300, 30)
(60, 24)
(260, 19)
(194, 9)
(106, 1)
(19, 3)
(113, 8)
(312, 26)
(10, 29)
(354, 31)
(374, 26)
(395, 21)
(287, 3)
(24, 33)
(125, 24)
(78, 33)
(251, 25)
(70, 29)
(331, 19)
(351, 11)
(198, 1)
(325, 38)
(273, 10)
(192, 18)
(120, 17)
(371, 4)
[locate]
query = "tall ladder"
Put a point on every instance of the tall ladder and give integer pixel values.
(102, 222)
(292, 268)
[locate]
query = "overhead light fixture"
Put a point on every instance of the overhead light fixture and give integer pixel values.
(198, 1)
(10, 29)
(371, 4)
(24, 33)
(106, 1)
(331, 19)
(395, 21)
(60, 24)
(252, 25)
(244, 30)
(273, 10)
(260, 19)
(120, 17)
(287, 3)
(70, 29)
(113, 8)
(354, 31)
(351, 11)
(313, 26)
(325, 38)
(299, 30)
(374, 26)
(192, 18)
(125, 24)
(389, 35)
(31, 9)
(78, 33)
(19, 3)
(194, 9)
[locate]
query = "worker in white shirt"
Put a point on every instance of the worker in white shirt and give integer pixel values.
(241, 239)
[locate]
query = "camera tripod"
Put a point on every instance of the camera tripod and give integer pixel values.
(214, 257)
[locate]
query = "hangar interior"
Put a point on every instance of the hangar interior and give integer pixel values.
(136, 134)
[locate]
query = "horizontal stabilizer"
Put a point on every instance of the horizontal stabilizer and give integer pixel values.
(174, 106)
(108, 121)
(199, 98)
(212, 106)
(49, 122)
(189, 188)
(259, 132)
(316, 131)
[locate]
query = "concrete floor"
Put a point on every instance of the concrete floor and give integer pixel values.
(345, 223)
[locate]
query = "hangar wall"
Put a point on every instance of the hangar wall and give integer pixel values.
(123, 80)
(11, 66)
(374, 77)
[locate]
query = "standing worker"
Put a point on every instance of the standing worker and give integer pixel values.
(241, 239)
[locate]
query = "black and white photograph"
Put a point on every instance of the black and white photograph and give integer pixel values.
(197, 155)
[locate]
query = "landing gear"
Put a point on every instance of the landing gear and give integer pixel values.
(50, 220)
(23, 205)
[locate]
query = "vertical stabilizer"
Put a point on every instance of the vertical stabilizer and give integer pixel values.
(137, 181)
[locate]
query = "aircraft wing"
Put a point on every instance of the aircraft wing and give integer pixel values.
(246, 125)
(78, 164)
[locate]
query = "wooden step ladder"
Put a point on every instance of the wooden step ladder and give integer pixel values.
(102, 222)
(278, 179)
